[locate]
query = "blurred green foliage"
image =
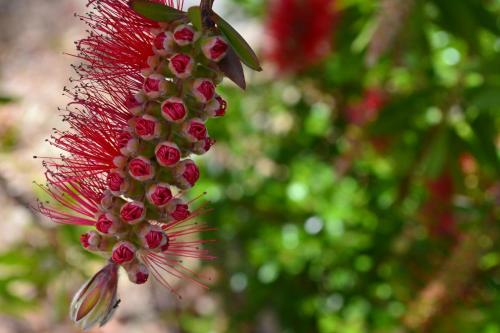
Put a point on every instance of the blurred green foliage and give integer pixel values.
(327, 226)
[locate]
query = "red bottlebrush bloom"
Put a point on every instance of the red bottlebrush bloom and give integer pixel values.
(107, 171)
(300, 32)
(366, 110)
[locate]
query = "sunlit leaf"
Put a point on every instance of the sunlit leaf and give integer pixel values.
(157, 12)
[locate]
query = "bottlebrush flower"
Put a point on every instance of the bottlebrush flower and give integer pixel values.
(95, 302)
(119, 152)
(300, 32)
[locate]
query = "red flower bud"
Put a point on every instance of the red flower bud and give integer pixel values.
(167, 153)
(135, 103)
(137, 273)
(123, 252)
(185, 35)
(178, 210)
(163, 43)
(90, 240)
(107, 200)
(186, 174)
(181, 65)
(140, 168)
(194, 130)
(155, 85)
(203, 90)
(215, 48)
(216, 107)
(159, 194)
(173, 109)
(152, 237)
(107, 224)
(116, 182)
(133, 212)
(147, 127)
(201, 147)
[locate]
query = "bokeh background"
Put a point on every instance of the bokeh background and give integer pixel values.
(354, 185)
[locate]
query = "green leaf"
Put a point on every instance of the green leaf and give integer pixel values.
(156, 11)
(437, 155)
(240, 46)
(194, 14)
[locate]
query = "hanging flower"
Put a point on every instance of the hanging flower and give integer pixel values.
(130, 125)
(300, 32)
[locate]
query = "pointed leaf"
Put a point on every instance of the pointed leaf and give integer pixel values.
(156, 12)
(240, 46)
(230, 65)
(194, 14)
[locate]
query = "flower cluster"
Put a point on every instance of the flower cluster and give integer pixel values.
(143, 94)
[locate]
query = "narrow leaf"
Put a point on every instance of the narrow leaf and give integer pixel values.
(156, 12)
(240, 46)
(194, 14)
(230, 65)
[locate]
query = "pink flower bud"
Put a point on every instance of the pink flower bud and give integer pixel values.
(185, 35)
(151, 65)
(140, 168)
(130, 148)
(178, 210)
(215, 48)
(96, 300)
(137, 273)
(173, 109)
(107, 200)
(147, 127)
(181, 65)
(201, 147)
(163, 43)
(159, 194)
(216, 107)
(123, 252)
(133, 212)
(152, 237)
(167, 153)
(186, 174)
(135, 103)
(120, 161)
(116, 182)
(203, 90)
(90, 240)
(107, 224)
(155, 85)
(194, 130)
